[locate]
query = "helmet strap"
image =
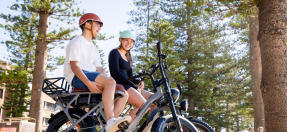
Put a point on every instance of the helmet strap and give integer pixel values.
(90, 29)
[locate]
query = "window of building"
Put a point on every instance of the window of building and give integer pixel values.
(1, 93)
(45, 121)
(49, 106)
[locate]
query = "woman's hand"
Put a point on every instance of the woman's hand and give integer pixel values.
(141, 85)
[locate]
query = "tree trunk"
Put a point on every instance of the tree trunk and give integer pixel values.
(191, 88)
(237, 124)
(147, 27)
(228, 113)
(190, 72)
(272, 38)
(217, 129)
(190, 98)
(256, 73)
(36, 106)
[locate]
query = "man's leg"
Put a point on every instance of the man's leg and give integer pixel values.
(109, 87)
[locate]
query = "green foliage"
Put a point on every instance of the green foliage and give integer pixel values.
(163, 32)
(217, 72)
(101, 53)
(146, 13)
(16, 83)
(212, 68)
(23, 32)
(23, 29)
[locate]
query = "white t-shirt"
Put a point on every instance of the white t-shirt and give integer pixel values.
(80, 49)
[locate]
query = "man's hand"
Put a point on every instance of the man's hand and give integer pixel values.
(120, 87)
(94, 87)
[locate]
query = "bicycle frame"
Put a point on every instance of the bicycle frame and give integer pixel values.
(65, 99)
(157, 95)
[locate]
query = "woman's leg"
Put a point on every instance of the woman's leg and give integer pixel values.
(120, 104)
(146, 95)
(135, 99)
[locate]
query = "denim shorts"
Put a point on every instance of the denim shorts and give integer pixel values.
(76, 82)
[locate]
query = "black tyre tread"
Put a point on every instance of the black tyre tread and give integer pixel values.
(75, 113)
(201, 124)
(156, 127)
(71, 109)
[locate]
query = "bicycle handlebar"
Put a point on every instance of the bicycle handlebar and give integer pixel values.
(137, 76)
(155, 67)
(134, 77)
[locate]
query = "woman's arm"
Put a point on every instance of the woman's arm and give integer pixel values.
(115, 69)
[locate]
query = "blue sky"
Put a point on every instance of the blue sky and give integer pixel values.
(113, 13)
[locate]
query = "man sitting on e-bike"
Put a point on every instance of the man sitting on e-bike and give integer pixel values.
(83, 70)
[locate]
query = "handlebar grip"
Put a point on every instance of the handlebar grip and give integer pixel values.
(158, 48)
(133, 77)
(136, 76)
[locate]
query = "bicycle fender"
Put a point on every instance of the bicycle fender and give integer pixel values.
(161, 108)
(52, 118)
(91, 121)
(62, 112)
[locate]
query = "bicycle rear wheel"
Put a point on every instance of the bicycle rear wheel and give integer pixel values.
(61, 122)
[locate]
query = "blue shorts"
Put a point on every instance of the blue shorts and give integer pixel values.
(76, 82)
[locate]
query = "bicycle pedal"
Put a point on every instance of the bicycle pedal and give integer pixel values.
(123, 125)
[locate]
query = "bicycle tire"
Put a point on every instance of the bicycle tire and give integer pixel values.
(61, 120)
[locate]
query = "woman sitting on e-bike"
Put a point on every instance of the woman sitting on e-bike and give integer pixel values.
(120, 65)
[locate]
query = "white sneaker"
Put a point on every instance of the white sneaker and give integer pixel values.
(112, 124)
(127, 118)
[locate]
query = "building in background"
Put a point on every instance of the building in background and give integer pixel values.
(3, 93)
(49, 103)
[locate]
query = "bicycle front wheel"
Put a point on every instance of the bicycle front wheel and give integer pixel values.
(167, 124)
(201, 125)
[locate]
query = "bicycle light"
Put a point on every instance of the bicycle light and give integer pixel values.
(183, 105)
(174, 94)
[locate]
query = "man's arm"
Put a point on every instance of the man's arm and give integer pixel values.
(101, 70)
(80, 74)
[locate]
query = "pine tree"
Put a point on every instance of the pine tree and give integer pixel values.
(23, 33)
(62, 11)
(141, 18)
(16, 83)
(241, 11)
(161, 31)
(209, 58)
